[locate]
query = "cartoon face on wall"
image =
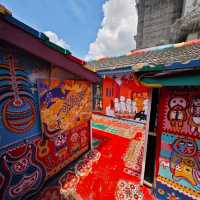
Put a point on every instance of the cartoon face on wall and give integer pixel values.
(184, 161)
(181, 111)
(179, 162)
(177, 112)
(26, 175)
(185, 147)
(194, 110)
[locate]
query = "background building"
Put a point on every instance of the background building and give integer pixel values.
(154, 20)
(187, 27)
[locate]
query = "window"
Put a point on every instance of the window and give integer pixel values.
(109, 92)
(97, 97)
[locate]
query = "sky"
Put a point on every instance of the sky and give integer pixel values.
(90, 29)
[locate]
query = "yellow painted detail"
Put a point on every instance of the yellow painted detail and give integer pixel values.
(150, 84)
(5, 11)
(179, 187)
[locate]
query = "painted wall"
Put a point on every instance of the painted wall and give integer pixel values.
(31, 151)
(178, 157)
(134, 134)
(125, 98)
(125, 108)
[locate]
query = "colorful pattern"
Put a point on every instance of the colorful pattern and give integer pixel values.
(31, 153)
(18, 104)
(179, 161)
(22, 174)
(134, 157)
(83, 168)
(51, 193)
(182, 55)
(55, 153)
(134, 132)
(122, 128)
(128, 191)
(164, 192)
(64, 105)
(181, 112)
(105, 175)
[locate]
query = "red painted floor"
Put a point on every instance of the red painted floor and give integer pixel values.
(100, 176)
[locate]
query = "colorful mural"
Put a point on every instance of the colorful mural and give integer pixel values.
(125, 98)
(87, 182)
(65, 115)
(179, 161)
(64, 105)
(21, 174)
(128, 190)
(55, 153)
(122, 128)
(18, 103)
(133, 132)
(31, 153)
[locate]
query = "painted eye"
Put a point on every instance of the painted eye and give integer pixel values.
(174, 101)
(181, 101)
(188, 169)
(190, 144)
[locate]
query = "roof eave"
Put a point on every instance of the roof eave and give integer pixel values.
(27, 42)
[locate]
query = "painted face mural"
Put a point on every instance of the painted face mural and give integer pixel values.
(194, 111)
(60, 142)
(184, 163)
(177, 112)
(26, 175)
(179, 160)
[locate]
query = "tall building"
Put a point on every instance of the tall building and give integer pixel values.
(155, 17)
(187, 27)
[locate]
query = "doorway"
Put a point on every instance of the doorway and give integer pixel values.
(151, 145)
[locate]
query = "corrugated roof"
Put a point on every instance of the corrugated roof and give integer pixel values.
(160, 56)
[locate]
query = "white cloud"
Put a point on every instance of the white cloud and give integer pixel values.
(53, 37)
(118, 27)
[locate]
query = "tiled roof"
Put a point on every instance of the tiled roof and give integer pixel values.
(161, 55)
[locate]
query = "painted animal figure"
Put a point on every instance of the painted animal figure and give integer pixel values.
(49, 96)
(185, 162)
(177, 112)
(141, 116)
